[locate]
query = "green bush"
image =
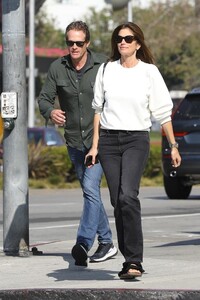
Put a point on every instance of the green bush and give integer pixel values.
(54, 163)
(48, 162)
(153, 167)
(50, 167)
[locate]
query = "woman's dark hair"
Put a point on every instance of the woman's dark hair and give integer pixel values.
(79, 26)
(143, 53)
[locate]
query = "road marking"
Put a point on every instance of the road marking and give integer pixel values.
(60, 226)
(170, 216)
(111, 221)
(52, 204)
(51, 227)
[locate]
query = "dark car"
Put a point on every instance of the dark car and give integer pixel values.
(49, 136)
(186, 124)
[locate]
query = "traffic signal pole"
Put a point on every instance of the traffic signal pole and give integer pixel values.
(119, 4)
(15, 149)
(31, 85)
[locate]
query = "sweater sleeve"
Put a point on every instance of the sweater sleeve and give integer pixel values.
(160, 102)
(98, 101)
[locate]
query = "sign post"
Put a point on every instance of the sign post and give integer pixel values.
(15, 146)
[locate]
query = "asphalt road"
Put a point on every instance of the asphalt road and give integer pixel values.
(54, 215)
(171, 248)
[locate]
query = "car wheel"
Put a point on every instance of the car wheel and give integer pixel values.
(175, 189)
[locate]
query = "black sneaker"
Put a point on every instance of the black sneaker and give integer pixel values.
(79, 253)
(104, 252)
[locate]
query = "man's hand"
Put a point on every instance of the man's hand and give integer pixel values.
(58, 117)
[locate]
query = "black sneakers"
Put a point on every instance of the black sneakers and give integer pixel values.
(104, 252)
(79, 253)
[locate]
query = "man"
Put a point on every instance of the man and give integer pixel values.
(71, 78)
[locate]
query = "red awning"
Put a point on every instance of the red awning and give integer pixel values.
(45, 52)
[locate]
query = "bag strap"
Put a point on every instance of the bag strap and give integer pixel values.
(104, 66)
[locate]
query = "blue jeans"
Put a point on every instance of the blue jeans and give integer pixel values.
(123, 156)
(94, 219)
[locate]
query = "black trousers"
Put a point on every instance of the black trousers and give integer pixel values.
(123, 155)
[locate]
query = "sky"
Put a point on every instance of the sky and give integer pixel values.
(66, 11)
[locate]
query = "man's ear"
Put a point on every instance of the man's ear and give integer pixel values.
(88, 43)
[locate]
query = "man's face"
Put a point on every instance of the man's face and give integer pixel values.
(76, 51)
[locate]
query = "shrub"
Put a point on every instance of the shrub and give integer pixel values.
(50, 167)
(153, 167)
(48, 162)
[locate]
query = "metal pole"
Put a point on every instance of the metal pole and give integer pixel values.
(130, 13)
(31, 96)
(15, 152)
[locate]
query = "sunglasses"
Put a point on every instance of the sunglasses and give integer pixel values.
(78, 43)
(128, 39)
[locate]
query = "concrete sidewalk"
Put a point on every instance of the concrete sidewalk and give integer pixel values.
(53, 275)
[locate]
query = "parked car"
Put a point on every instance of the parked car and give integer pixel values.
(49, 136)
(178, 182)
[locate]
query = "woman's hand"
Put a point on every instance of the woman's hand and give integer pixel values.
(176, 158)
(91, 157)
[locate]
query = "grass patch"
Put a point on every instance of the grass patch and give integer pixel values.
(46, 184)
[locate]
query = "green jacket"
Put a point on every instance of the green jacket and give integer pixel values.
(75, 98)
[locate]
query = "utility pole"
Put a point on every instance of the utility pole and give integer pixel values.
(130, 12)
(15, 149)
(31, 86)
(197, 12)
(119, 4)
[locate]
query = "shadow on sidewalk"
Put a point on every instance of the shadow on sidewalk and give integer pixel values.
(78, 273)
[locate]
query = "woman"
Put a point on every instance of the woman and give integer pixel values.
(127, 92)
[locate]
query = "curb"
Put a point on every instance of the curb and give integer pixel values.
(98, 294)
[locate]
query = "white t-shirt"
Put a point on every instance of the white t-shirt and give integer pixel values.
(127, 97)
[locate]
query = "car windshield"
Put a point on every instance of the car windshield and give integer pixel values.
(35, 136)
(53, 138)
(189, 108)
(47, 136)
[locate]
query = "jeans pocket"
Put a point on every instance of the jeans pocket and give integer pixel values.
(103, 133)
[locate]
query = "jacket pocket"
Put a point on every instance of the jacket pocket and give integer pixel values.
(63, 83)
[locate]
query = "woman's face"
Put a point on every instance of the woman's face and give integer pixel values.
(128, 46)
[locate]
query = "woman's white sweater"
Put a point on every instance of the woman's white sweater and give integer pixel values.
(126, 98)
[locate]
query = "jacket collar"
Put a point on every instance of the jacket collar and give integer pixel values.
(93, 61)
